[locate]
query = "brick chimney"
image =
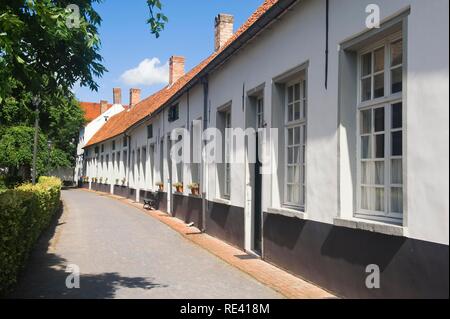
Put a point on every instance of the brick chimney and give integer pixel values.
(117, 96)
(176, 68)
(103, 106)
(135, 97)
(223, 30)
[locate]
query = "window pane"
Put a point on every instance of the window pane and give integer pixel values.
(379, 146)
(289, 194)
(379, 59)
(297, 135)
(366, 89)
(365, 197)
(379, 119)
(290, 174)
(379, 173)
(290, 136)
(397, 53)
(367, 173)
(297, 92)
(296, 174)
(290, 112)
(378, 90)
(397, 200)
(296, 111)
(396, 171)
(290, 152)
(397, 115)
(379, 199)
(296, 194)
(366, 121)
(396, 79)
(365, 147)
(296, 154)
(366, 64)
(397, 144)
(290, 94)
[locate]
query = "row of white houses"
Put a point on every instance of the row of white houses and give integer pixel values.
(359, 172)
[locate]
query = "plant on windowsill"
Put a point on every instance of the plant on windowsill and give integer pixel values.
(160, 186)
(117, 181)
(178, 187)
(195, 188)
(124, 180)
(106, 180)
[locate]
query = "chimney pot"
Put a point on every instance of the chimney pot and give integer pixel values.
(224, 24)
(176, 68)
(117, 96)
(135, 97)
(103, 106)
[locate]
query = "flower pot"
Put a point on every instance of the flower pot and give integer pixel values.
(161, 188)
(195, 191)
(179, 189)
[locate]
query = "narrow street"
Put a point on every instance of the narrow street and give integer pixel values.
(122, 253)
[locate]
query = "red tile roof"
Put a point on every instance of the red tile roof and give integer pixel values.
(92, 110)
(119, 123)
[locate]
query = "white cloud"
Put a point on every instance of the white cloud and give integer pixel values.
(148, 72)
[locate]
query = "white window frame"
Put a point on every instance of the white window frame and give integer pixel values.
(301, 123)
(386, 101)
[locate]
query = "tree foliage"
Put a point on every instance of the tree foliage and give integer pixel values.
(42, 50)
(45, 49)
(157, 19)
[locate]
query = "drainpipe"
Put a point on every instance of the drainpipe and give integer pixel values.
(204, 81)
(128, 160)
(327, 28)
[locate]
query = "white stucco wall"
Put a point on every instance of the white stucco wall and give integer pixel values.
(299, 38)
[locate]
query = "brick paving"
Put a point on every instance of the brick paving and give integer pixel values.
(279, 280)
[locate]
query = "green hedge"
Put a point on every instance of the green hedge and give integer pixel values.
(24, 213)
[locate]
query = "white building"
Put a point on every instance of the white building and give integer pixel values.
(96, 115)
(361, 175)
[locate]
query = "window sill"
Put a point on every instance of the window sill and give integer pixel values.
(288, 213)
(372, 226)
(222, 201)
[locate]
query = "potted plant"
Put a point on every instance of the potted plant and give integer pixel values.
(117, 181)
(160, 186)
(106, 180)
(195, 188)
(124, 181)
(178, 187)
(101, 180)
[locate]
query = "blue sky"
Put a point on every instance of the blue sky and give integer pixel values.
(127, 42)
